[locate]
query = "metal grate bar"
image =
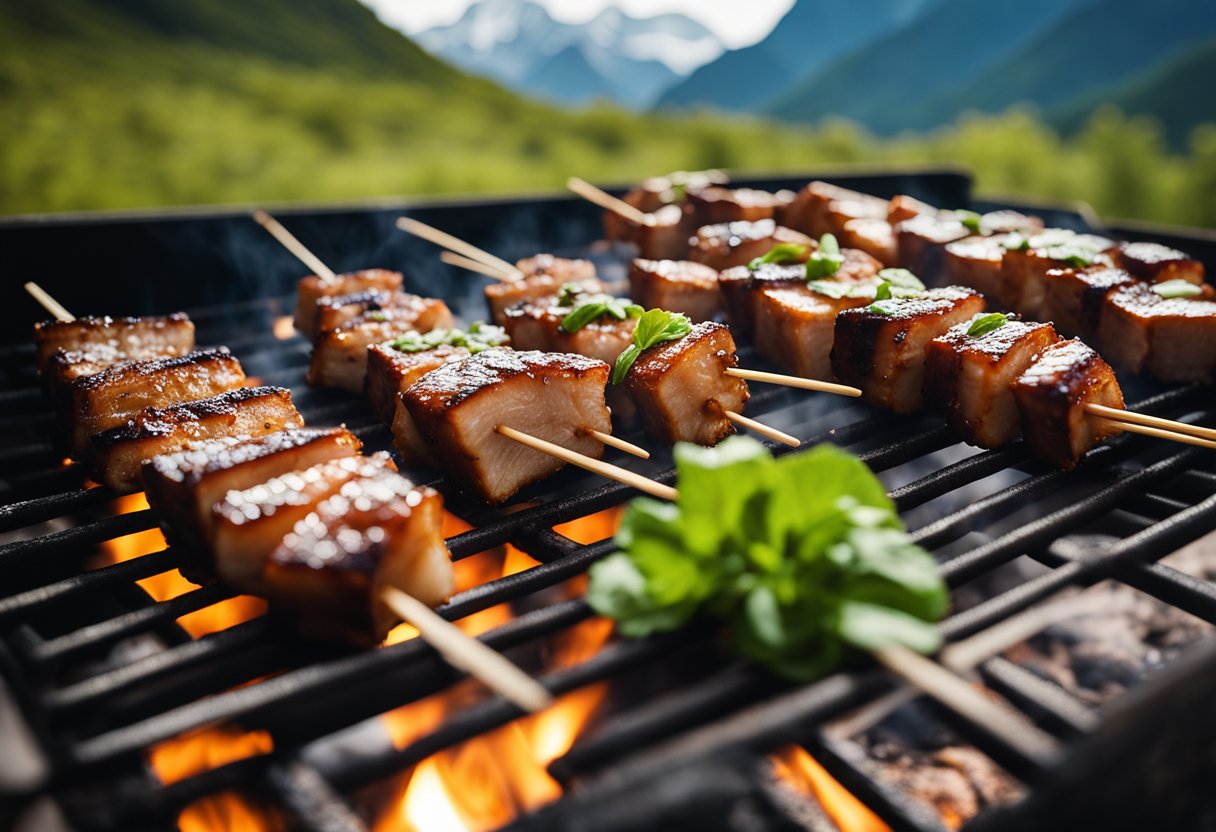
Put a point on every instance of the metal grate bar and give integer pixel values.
(130, 570)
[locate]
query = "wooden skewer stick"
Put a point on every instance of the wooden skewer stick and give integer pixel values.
(49, 303)
(460, 261)
(793, 381)
(763, 429)
(463, 651)
(608, 202)
(442, 238)
(1117, 415)
(1183, 438)
(595, 466)
(289, 242)
(619, 444)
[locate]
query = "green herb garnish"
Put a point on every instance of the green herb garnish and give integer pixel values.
(656, 326)
(1074, 254)
(782, 253)
(1017, 242)
(377, 316)
(969, 219)
(569, 293)
(592, 307)
(984, 324)
(902, 283)
(479, 337)
(826, 260)
(1177, 288)
(804, 558)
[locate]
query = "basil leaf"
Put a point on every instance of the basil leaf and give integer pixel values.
(828, 244)
(902, 279)
(655, 326)
(1177, 288)
(970, 219)
(883, 292)
(591, 307)
(880, 309)
(781, 253)
(832, 288)
(985, 324)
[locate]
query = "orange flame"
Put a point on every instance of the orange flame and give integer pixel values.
(484, 783)
(200, 751)
(803, 772)
(171, 584)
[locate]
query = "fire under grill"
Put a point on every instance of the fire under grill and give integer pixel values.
(108, 678)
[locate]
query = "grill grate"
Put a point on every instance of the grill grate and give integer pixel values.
(96, 716)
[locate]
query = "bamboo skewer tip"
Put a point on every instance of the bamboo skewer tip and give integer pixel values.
(763, 429)
(441, 238)
(608, 202)
(292, 244)
(469, 654)
(57, 309)
(619, 444)
(469, 264)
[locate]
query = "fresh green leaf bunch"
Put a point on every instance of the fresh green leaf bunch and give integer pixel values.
(804, 557)
(1177, 288)
(782, 254)
(656, 326)
(984, 324)
(478, 337)
(826, 260)
(590, 307)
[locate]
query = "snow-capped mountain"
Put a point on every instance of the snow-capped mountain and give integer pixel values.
(517, 42)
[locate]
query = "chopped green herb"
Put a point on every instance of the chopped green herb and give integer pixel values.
(1017, 242)
(832, 288)
(656, 326)
(970, 219)
(1076, 255)
(479, 337)
(803, 557)
(826, 260)
(592, 307)
(883, 292)
(984, 324)
(902, 283)
(377, 316)
(1177, 289)
(781, 253)
(569, 293)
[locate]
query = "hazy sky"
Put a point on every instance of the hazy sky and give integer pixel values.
(736, 23)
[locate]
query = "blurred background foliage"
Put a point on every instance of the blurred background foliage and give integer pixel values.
(100, 113)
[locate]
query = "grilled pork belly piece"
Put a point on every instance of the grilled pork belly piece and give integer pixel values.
(333, 312)
(313, 288)
(555, 397)
(183, 486)
(157, 335)
(1008, 222)
(883, 353)
(654, 194)
(874, 236)
(1172, 339)
(538, 326)
(975, 262)
(1051, 395)
(714, 205)
(677, 286)
(390, 370)
(339, 356)
(681, 390)
(795, 326)
(1073, 299)
(666, 235)
(921, 241)
(740, 286)
(1156, 263)
(1024, 268)
(732, 244)
(377, 531)
(903, 207)
(820, 209)
(251, 522)
(967, 379)
(107, 399)
(503, 294)
(119, 452)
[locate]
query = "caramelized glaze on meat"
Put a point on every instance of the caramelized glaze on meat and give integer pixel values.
(1173, 339)
(883, 353)
(251, 522)
(975, 262)
(109, 398)
(377, 531)
(313, 288)
(968, 379)
(538, 326)
(680, 388)
(677, 286)
(504, 294)
(709, 206)
(183, 486)
(556, 397)
(247, 411)
(666, 235)
(1051, 395)
(1073, 299)
(1024, 269)
(739, 287)
(820, 209)
(165, 334)
(921, 241)
(732, 244)
(795, 327)
(389, 371)
(339, 356)
(874, 236)
(1156, 263)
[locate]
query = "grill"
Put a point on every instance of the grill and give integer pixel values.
(690, 727)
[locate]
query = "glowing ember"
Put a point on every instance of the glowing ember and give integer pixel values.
(800, 770)
(284, 328)
(201, 751)
(171, 584)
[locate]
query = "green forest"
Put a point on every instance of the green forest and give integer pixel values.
(105, 116)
